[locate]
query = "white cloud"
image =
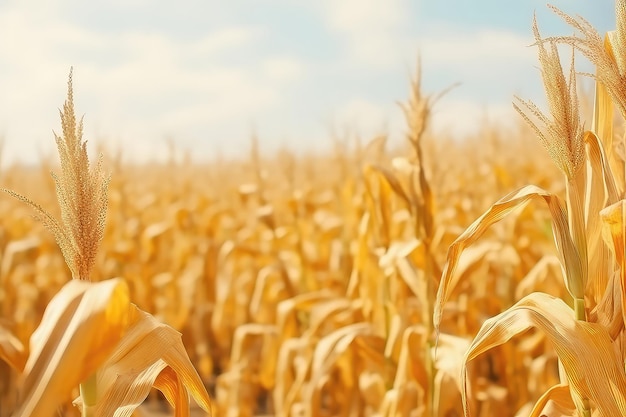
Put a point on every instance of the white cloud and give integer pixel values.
(225, 39)
(368, 117)
(134, 86)
(482, 48)
(460, 118)
(357, 16)
(371, 30)
(284, 69)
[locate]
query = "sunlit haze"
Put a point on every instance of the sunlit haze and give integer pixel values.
(204, 74)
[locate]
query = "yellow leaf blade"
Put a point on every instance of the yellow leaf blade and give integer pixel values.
(79, 329)
(570, 260)
(12, 351)
(591, 364)
(556, 401)
(145, 357)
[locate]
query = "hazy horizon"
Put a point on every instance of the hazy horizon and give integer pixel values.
(207, 74)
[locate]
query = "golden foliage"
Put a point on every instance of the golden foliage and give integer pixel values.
(375, 282)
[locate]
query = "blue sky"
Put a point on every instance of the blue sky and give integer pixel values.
(205, 72)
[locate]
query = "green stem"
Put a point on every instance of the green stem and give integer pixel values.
(579, 309)
(89, 395)
(576, 218)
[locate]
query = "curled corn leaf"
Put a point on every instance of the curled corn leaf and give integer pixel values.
(253, 339)
(570, 261)
(150, 354)
(600, 175)
(592, 366)
(556, 402)
(79, 329)
(328, 352)
(174, 390)
(600, 166)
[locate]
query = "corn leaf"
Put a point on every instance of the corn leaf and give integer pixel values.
(150, 354)
(253, 341)
(614, 218)
(592, 366)
(600, 261)
(447, 386)
(555, 402)
(393, 182)
(570, 261)
(79, 329)
(12, 351)
(328, 352)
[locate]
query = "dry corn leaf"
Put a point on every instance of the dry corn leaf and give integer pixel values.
(614, 218)
(78, 331)
(323, 317)
(410, 376)
(392, 180)
(393, 339)
(380, 192)
(446, 383)
(288, 310)
(294, 360)
(600, 165)
(450, 360)
(12, 351)
(252, 342)
(174, 390)
(271, 286)
(150, 354)
(411, 365)
(372, 387)
(401, 401)
(555, 402)
(592, 366)
(327, 354)
(540, 277)
(600, 260)
(570, 261)
(16, 251)
(608, 312)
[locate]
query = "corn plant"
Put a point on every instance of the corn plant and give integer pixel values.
(91, 335)
(586, 326)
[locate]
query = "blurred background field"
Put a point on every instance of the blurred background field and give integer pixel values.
(300, 283)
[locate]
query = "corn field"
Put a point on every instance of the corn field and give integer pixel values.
(481, 277)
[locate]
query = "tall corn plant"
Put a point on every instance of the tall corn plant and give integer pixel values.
(587, 328)
(400, 222)
(91, 335)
